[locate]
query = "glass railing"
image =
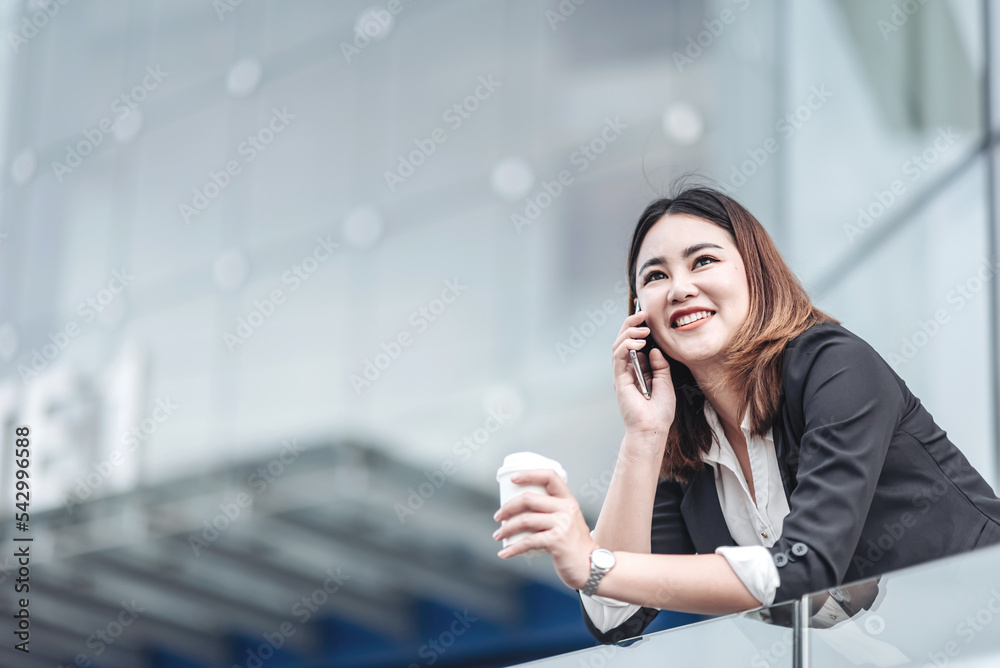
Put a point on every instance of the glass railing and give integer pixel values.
(942, 613)
(753, 638)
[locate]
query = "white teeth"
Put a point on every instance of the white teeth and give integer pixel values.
(691, 317)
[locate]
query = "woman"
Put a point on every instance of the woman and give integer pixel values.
(778, 454)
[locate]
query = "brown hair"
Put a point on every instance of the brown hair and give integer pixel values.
(780, 310)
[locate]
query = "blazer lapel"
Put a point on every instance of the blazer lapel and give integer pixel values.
(703, 515)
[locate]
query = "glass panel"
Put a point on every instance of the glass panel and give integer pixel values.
(994, 32)
(750, 638)
(881, 114)
(921, 301)
(938, 614)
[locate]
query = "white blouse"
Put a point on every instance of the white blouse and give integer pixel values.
(753, 526)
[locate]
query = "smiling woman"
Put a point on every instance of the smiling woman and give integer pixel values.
(774, 450)
(703, 251)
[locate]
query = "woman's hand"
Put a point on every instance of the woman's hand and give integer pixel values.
(642, 416)
(557, 522)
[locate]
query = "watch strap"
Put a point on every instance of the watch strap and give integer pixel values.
(596, 574)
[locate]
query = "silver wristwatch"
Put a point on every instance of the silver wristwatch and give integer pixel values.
(601, 561)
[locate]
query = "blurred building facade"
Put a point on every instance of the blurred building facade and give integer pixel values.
(237, 233)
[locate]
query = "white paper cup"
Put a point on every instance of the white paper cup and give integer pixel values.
(516, 463)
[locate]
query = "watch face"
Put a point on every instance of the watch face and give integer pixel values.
(603, 559)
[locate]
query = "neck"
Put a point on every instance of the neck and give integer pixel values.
(723, 399)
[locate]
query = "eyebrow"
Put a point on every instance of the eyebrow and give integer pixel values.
(688, 252)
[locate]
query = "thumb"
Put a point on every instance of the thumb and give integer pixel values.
(661, 368)
(662, 385)
(658, 361)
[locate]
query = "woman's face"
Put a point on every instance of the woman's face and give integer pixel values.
(688, 265)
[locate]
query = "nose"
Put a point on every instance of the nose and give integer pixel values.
(681, 288)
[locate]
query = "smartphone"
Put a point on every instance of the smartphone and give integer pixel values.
(650, 343)
(635, 359)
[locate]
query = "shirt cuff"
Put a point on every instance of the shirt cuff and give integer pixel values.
(755, 567)
(607, 613)
(829, 615)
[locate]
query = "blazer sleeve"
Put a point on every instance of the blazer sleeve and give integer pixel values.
(851, 404)
(669, 535)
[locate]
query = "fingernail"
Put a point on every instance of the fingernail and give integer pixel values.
(496, 515)
(495, 533)
(516, 479)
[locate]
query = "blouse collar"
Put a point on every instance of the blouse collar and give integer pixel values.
(717, 454)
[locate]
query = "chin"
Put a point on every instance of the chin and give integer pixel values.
(689, 355)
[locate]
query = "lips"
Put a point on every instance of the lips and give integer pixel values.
(689, 316)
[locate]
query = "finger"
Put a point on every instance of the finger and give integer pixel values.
(631, 321)
(547, 478)
(659, 367)
(647, 373)
(528, 501)
(622, 358)
(535, 541)
(662, 390)
(624, 371)
(530, 522)
(636, 318)
(630, 333)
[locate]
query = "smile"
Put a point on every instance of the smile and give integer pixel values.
(692, 320)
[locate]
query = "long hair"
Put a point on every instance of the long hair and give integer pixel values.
(780, 309)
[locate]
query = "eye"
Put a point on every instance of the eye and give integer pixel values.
(704, 257)
(648, 277)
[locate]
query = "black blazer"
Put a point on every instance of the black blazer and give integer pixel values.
(872, 483)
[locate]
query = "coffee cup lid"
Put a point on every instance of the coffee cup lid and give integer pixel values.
(523, 461)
